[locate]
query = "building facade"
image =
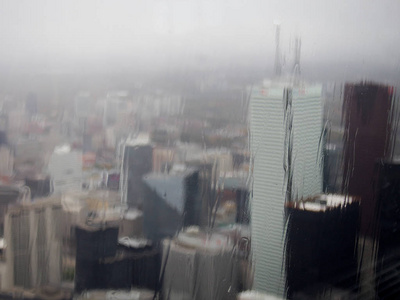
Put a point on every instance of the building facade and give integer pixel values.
(366, 111)
(172, 202)
(65, 168)
(33, 238)
(137, 160)
(285, 145)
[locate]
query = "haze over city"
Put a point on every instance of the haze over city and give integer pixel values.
(199, 150)
(340, 39)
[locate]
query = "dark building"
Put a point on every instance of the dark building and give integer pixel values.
(142, 261)
(134, 263)
(366, 115)
(113, 180)
(332, 168)
(94, 243)
(205, 191)
(40, 186)
(137, 161)
(388, 202)
(3, 122)
(321, 247)
(243, 211)
(236, 189)
(3, 138)
(172, 202)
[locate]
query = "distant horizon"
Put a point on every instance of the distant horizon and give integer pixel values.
(340, 39)
(253, 72)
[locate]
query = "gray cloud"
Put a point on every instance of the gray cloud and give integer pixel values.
(164, 31)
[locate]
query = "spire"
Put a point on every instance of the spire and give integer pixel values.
(278, 66)
(296, 65)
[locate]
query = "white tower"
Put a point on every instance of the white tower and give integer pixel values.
(285, 131)
(65, 168)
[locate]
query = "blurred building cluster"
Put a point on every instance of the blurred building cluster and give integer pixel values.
(137, 195)
(99, 199)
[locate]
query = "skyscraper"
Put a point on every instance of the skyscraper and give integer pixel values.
(285, 143)
(366, 112)
(321, 248)
(65, 168)
(33, 237)
(137, 160)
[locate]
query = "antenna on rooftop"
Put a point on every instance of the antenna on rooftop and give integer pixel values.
(278, 65)
(296, 65)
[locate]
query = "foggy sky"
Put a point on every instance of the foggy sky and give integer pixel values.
(155, 33)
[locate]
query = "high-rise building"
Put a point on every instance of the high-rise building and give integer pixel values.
(33, 238)
(366, 111)
(321, 247)
(6, 156)
(65, 168)
(285, 144)
(137, 160)
(388, 203)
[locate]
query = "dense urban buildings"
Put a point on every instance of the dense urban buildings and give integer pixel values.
(156, 150)
(234, 189)
(237, 197)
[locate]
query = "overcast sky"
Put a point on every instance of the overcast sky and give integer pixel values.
(180, 31)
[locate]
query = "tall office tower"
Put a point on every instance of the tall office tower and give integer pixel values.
(388, 204)
(205, 192)
(6, 156)
(172, 202)
(366, 112)
(65, 168)
(137, 160)
(33, 237)
(285, 144)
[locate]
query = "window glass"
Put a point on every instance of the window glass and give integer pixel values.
(199, 149)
